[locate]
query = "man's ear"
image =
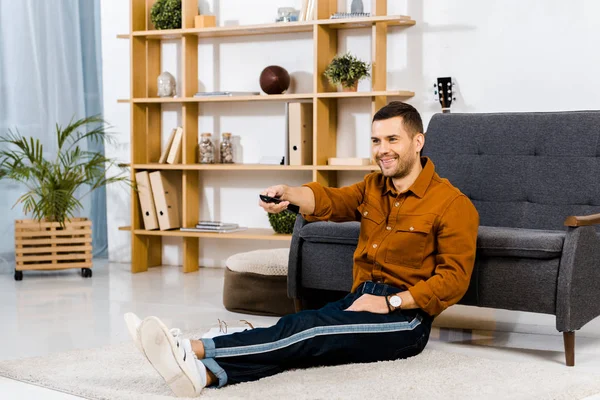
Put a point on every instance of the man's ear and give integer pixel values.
(420, 138)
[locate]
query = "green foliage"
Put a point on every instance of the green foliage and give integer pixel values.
(346, 70)
(166, 14)
(283, 222)
(52, 184)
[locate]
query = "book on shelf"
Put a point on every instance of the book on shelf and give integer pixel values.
(171, 154)
(342, 15)
(146, 198)
(308, 10)
(300, 133)
(166, 202)
(212, 230)
(216, 225)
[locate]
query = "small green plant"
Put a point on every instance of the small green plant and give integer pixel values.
(346, 70)
(166, 14)
(52, 184)
(283, 222)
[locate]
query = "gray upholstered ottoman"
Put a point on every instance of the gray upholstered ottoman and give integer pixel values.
(256, 283)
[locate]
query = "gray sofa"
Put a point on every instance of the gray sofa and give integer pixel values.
(531, 176)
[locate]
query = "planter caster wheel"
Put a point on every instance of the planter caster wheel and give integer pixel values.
(86, 272)
(18, 275)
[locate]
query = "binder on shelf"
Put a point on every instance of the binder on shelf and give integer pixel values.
(300, 131)
(165, 200)
(146, 200)
(165, 152)
(174, 156)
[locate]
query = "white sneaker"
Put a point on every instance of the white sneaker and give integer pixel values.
(133, 323)
(172, 358)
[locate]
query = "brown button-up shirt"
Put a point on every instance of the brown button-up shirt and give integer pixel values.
(422, 239)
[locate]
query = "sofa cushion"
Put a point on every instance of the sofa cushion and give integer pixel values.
(519, 242)
(331, 232)
(491, 241)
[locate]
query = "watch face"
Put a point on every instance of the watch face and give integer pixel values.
(395, 301)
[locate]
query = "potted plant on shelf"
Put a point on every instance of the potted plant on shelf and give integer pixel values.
(346, 71)
(283, 222)
(166, 14)
(54, 238)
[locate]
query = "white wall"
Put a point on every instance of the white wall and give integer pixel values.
(507, 55)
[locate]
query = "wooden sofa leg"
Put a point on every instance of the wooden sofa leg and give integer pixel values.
(298, 305)
(569, 339)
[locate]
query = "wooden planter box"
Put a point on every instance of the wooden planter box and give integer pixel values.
(47, 246)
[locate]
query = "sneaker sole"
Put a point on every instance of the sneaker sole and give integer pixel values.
(161, 351)
(132, 320)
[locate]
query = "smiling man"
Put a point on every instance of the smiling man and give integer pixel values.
(414, 259)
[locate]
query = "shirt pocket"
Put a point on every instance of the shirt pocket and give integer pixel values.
(370, 213)
(406, 245)
(370, 218)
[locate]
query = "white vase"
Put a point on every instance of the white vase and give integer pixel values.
(166, 85)
(357, 6)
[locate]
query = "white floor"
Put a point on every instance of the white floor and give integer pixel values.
(51, 312)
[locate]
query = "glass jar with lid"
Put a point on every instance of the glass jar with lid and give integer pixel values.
(206, 149)
(226, 149)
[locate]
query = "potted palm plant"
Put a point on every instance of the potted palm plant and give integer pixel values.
(55, 238)
(346, 71)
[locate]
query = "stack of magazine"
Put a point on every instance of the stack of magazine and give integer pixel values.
(215, 227)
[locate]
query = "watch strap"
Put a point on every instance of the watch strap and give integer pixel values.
(389, 306)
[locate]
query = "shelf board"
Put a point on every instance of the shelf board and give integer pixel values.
(366, 22)
(272, 97)
(220, 99)
(249, 234)
(224, 167)
(389, 93)
(250, 167)
(274, 28)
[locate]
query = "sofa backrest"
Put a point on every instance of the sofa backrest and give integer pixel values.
(522, 170)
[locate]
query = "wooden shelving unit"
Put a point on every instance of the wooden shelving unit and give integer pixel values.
(146, 114)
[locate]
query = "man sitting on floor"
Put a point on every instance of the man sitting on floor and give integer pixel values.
(414, 259)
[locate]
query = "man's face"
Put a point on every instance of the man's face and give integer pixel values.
(393, 149)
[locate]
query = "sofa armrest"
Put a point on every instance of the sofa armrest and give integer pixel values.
(293, 277)
(584, 220)
(578, 279)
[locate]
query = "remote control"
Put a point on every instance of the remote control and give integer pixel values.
(268, 199)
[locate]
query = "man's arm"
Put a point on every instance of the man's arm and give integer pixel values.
(456, 246)
(318, 202)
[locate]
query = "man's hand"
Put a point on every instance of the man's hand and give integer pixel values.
(303, 197)
(274, 191)
(370, 303)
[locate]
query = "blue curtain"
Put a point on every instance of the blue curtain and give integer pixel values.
(50, 72)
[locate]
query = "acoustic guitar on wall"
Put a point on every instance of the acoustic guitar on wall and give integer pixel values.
(445, 93)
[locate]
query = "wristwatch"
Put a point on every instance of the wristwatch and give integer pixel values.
(393, 301)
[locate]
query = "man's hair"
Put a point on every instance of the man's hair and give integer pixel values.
(410, 116)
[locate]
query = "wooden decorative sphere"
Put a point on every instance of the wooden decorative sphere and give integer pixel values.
(274, 80)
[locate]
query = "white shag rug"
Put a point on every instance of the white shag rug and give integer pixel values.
(121, 372)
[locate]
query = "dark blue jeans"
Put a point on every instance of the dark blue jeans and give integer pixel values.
(328, 336)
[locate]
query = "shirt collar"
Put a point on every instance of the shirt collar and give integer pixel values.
(420, 185)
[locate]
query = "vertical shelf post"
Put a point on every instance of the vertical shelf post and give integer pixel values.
(190, 179)
(379, 34)
(145, 129)
(325, 42)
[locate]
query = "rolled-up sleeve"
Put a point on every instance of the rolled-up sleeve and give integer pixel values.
(336, 204)
(455, 259)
